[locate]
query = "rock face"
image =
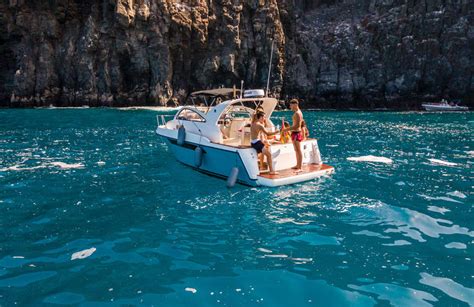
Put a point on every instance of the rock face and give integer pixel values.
(331, 53)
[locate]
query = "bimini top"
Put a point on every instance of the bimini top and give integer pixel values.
(216, 92)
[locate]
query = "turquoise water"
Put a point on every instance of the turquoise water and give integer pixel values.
(155, 232)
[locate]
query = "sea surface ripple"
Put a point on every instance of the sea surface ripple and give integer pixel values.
(95, 210)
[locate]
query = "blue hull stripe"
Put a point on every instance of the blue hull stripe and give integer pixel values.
(216, 175)
(215, 167)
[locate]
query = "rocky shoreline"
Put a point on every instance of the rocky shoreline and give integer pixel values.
(363, 54)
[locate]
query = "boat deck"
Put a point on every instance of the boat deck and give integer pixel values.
(272, 143)
(306, 169)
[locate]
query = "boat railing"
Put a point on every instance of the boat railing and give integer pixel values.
(161, 119)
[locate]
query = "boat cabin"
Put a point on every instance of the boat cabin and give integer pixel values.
(223, 122)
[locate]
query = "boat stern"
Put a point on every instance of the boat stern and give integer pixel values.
(290, 176)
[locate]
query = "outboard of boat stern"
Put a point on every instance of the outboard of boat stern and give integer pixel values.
(213, 136)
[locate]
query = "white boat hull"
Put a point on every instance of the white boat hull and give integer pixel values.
(219, 160)
(216, 140)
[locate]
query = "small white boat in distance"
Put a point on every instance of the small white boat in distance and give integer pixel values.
(444, 106)
(213, 137)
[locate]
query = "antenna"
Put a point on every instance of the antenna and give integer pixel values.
(269, 70)
(241, 88)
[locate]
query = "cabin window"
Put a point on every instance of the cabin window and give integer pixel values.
(237, 111)
(187, 114)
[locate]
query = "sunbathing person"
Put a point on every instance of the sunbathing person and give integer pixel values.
(257, 135)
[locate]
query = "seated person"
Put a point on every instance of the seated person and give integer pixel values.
(257, 133)
(285, 137)
(260, 110)
(304, 130)
(224, 136)
(263, 138)
(268, 125)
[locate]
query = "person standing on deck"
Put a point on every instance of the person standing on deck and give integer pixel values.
(257, 133)
(296, 133)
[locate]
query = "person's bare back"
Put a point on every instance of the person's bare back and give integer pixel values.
(256, 130)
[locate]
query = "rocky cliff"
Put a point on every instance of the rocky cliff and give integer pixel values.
(332, 53)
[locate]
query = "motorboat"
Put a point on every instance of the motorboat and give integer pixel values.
(212, 135)
(444, 106)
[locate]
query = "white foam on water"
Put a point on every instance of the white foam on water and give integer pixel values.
(83, 254)
(404, 127)
(18, 168)
(440, 198)
(449, 287)
(441, 210)
(264, 250)
(442, 162)
(100, 163)
(371, 158)
(456, 194)
(63, 165)
(290, 220)
(149, 108)
(398, 243)
(470, 153)
(456, 245)
(276, 256)
(54, 107)
(302, 259)
(192, 290)
(18, 257)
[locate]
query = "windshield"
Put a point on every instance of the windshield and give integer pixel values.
(207, 99)
(204, 103)
(243, 109)
(237, 111)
